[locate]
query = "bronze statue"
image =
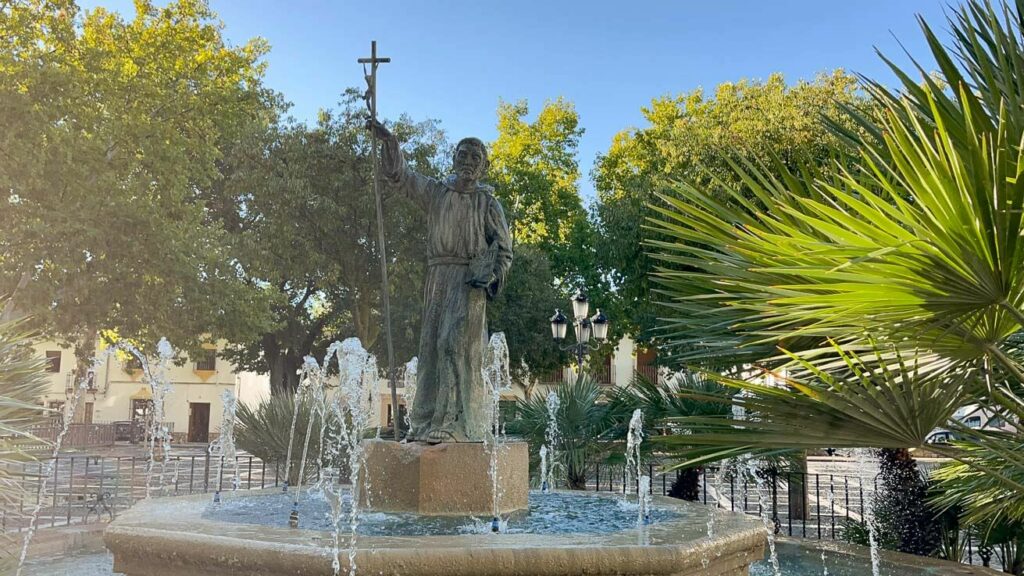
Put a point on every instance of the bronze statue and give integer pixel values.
(469, 252)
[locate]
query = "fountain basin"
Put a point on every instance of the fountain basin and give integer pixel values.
(173, 537)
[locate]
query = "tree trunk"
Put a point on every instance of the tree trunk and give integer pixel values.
(11, 307)
(284, 378)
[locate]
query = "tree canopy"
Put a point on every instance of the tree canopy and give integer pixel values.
(113, 133)
(305, 234)
(693, 137)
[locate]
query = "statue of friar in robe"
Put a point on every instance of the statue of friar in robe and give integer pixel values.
(469, 253)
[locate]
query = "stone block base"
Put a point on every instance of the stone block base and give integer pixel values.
(443, 479)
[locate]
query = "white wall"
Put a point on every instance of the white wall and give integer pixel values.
(115, 388)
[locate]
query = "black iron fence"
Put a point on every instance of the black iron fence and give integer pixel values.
(73, 490)
(795, 504)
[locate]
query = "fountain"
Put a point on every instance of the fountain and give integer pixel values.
(421, 515)
(158, 434)
(415, 507)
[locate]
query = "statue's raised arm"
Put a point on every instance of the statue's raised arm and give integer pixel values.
(394, 169)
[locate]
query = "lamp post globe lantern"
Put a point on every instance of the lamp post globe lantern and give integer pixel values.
(583, 331)
(559, 325)
(599, 324)
(584, 327)
(580, 304)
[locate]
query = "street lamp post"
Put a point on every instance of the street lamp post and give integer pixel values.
(585, 328)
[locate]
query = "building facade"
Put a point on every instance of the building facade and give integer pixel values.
(193, 408)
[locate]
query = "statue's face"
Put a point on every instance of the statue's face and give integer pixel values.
(469, 162)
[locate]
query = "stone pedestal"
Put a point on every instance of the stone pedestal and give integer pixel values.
(443, 479)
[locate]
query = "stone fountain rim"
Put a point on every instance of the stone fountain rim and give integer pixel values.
(143, 537)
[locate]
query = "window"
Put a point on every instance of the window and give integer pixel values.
(973, 422)
(133, 364)
(141, 410)
(206, 360)
(996, 422)
(53, 357)
(58, 410)
(647, 364)
(401, 416)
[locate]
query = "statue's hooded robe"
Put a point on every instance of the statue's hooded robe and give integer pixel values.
(467, 236)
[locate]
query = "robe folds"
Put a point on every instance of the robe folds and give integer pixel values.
(467, 235)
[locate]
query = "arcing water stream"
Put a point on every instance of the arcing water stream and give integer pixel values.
(496, 380)
(159, 386)
(552, 439)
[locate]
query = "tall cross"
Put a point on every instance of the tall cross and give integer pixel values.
(371, 103)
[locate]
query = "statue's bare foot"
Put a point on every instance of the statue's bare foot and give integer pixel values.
(440, 436)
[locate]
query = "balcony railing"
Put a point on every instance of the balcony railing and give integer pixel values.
(648, 371)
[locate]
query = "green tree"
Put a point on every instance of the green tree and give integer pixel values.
(536, 177)
(905, 269)
(304, 228)
(111, 134)
(522, 312)
(535, 174)
(684, 141)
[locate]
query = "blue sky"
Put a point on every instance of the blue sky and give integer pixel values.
(453, 60)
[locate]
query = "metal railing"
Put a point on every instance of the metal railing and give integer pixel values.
(86, 489)
(797, 504)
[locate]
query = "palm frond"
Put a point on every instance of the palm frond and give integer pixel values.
(986, 478)
(22, 384)
(893, 402)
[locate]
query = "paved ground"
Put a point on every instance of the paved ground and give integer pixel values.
(95, 564)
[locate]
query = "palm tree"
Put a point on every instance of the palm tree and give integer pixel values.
(264, 432)
(22, 383)
(893, 282)
(683, 394)
(584, 422)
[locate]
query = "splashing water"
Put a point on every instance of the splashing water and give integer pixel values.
(497, 379)
(552, 439)
(159, 434)
(353, 405)
(544, 488)
(751, 469)
(409, 385)
(159, 386)
(831, 499)
(866, 465)
(634, 438)
(309, 375)
(313, 376)
(222, 450)
(716, 487)
(643, 509)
